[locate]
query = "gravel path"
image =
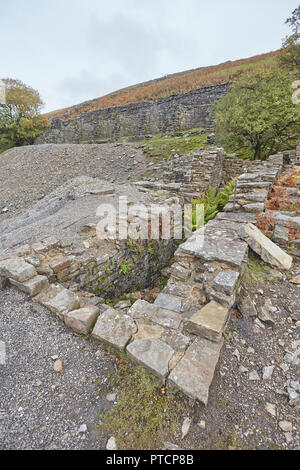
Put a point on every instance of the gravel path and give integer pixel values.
(41, 408)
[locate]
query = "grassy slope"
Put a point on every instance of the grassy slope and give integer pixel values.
(172, 84)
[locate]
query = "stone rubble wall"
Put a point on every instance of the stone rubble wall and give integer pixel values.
(177, 112)
(179, 338)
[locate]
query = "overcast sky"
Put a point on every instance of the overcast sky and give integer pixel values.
(74, 50)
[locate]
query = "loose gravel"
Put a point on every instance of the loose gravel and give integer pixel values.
(41, 408)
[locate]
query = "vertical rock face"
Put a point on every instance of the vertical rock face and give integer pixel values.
(180, 112)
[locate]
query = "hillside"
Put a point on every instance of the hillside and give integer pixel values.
(171, 84)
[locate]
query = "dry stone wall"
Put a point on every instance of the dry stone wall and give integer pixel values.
(177, 112)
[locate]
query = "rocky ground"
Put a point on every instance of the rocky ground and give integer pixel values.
(31, 173)
(252, 402)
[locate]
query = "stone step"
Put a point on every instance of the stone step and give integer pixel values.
(220, 243)
(155, 355)
(156, 314)
(195, 371)
(82, 320)
(17, 269)
(114, 328)
(209, 322)
(58, 300)
(33, 286)
(245, 217)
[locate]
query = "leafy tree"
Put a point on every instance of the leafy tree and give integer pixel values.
(20, 119)
(258, 114)
(290, 55)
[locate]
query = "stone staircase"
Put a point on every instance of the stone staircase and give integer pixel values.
(178, 338)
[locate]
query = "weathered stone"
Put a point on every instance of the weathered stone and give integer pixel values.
(271, 409)
(142, 309)
(280, 234)
(220, 243)
(168, 302)
(167, 318)
(83, 319)
(155, 355)
(59, 264)
(177, 341)
(286, 426)
(44, 271)
(265, 248)
(17, 269)
(50, 243)
(226, 281)
(295, 280)
(34, 260)
(244, 217)
(254, 208)
(39, 247)
(253, 375)
(245, 304)
(114, 328)
(209, 322)
(58, 300)
(265, 314)
(267, 372)
(195, 371)
(32, 287)
(146, 331)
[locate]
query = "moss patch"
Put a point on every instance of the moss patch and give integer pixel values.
(145, 414)
(162, 146)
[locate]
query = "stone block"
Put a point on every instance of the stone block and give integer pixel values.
(83, 319)
(17, 269)
(58, 300)
(220, 244)
(61, 263)
(142, 309)
(195, 371)
(114, 328)
(226, 281)
(167, 318)
(33, 286)
(209, 322)
(265, 248)
(168, 302)
(154, 355)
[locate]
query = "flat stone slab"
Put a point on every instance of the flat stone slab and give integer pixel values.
(17, 269)
(245, 217)
(287, 221)
(154, 355)
(82, 320)
(209, 322)
(220, 243)
(146, 331)
(32, 287)
(265, 248)
(168, 302)
(58, 300)
(226, 281)
(167, 318)
(63, 262)
(142, 309)
(176, 340)
(195, 371)
(114, 328)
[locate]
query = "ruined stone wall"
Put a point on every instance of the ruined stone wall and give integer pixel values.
(177, 112)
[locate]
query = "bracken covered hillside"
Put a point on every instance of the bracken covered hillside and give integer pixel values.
(172, 84)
